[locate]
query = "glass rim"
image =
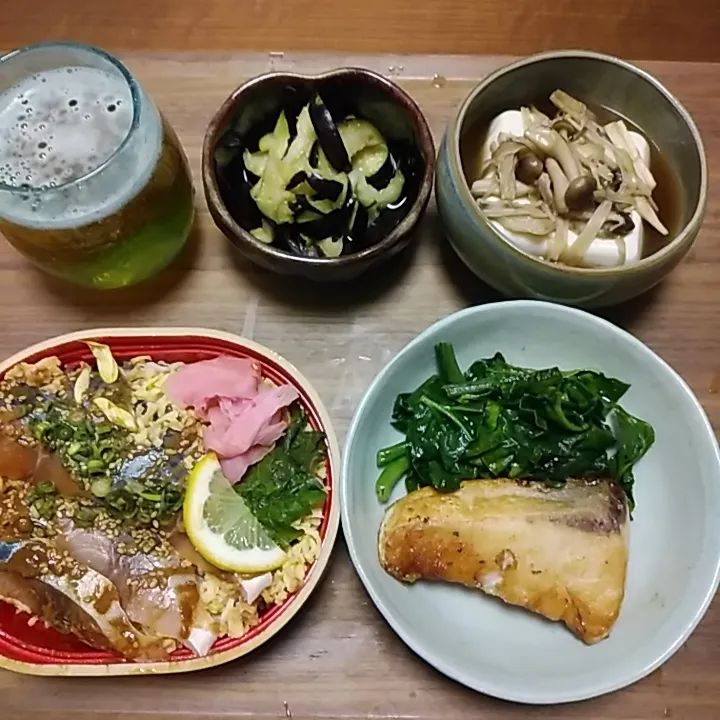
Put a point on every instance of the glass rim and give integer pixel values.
(134, 94)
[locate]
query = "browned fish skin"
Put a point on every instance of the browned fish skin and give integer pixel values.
(40, 577)
(559, 552)
(36, 576)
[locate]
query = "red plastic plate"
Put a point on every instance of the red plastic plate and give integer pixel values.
(36, 649)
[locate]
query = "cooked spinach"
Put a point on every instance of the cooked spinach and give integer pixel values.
(284, 487)
(499, 420)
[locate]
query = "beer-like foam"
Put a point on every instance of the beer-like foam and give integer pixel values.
(58, 126)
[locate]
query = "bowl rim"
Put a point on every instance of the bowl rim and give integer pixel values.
(680, 243)
(294, 603)
(466, 678)
(397, 94)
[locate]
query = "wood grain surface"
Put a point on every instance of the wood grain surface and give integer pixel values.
(654, 29)
(338, 659)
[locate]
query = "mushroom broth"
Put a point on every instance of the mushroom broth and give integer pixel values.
(666, 193)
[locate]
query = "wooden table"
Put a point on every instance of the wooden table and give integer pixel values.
(338, 658)
(654, 29)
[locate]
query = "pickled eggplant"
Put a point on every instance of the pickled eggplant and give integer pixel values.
(320, 182)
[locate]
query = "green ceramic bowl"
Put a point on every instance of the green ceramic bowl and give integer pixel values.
(674, 556)
(600, 80)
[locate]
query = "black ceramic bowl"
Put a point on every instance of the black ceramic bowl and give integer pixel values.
(345, 90)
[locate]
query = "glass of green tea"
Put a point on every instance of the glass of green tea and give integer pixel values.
(94, 184)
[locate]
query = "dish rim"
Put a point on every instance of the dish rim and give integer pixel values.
(683, 240)
(474, 682)
(294, 603)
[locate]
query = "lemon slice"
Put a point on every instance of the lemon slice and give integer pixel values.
(220, 525)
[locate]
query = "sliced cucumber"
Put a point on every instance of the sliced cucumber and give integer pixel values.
(264, 233)
(306, 246)
(276, 142)
(297, 154)
(306, 216)
(272, 199)
(371, 160)
(255, 162)
(391, 193)
(321, 203)
(324, 168)
(331, 247)
(359, 134)
(369, 196)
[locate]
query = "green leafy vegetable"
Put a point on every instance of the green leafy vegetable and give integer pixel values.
(305, 445)
(499, 420)
(388, 454)
(283, 487)
(390, 476)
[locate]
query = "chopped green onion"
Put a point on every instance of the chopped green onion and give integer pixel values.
(74, 448)
(101, 487)
(85, 516)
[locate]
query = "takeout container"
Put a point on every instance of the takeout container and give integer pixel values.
(38, 650)
(600, 80)
(376, 98)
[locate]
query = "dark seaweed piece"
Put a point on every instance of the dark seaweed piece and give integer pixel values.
(384, 175)
(314, 156)
(298, 178)
(293, 101)
(334, 224)
(358, 229)
(230, 140)
(234, 172)
(302, 205)
(235, 185)
(298, 246)
(329, 136)
(325, 189)
(322, 227)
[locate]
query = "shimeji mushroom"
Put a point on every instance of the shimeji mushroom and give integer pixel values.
(567, 173)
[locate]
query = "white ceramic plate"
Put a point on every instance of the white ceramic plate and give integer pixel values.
(674, 542)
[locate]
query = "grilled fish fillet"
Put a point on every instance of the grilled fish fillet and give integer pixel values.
(37, 577)
(559, 552)
(158, 590)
